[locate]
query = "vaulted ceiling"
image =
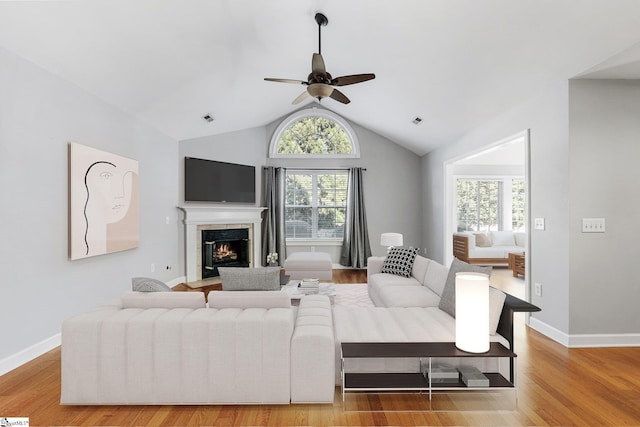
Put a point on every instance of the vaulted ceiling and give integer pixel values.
(453, 63)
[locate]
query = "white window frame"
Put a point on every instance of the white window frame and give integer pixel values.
(314, 207)
(314, 112)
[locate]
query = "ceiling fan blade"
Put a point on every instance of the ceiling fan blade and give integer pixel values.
(298, 82)
(339, 96)
(355, 78)
(317, 64)
(301, 97)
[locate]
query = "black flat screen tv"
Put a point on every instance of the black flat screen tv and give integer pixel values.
(213, 181)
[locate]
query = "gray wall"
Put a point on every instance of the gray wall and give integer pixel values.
(392, 180)
(547, 118)
(39, 114)
(604, 149)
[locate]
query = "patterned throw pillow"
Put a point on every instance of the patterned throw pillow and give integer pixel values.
(399, 261)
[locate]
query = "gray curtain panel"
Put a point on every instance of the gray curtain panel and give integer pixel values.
(355, 246)
(273, 227)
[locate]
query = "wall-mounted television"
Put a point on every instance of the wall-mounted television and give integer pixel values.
(213, 181)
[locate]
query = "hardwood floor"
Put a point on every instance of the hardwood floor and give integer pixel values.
(556, 386)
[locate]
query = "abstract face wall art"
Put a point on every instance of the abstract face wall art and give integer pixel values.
(103, 202)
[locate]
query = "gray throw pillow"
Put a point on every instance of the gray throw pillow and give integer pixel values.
(146, 284)
(448, 298)
(250, 279)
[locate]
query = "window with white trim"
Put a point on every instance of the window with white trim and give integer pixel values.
(315, 204)
(314, 133)
(490, 204)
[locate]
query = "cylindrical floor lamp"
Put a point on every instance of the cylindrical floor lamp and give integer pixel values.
(472, 312)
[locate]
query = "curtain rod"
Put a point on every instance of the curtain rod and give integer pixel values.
(314, 169)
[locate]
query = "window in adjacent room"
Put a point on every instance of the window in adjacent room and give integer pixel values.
(493, 204)
(316, 204)
(314, 133)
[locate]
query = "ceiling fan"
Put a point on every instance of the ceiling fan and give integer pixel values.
(320, 84)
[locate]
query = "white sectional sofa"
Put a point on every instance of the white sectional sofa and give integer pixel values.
(252, 347)
(492, 247)
(170, 348)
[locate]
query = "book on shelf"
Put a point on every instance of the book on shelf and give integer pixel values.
(472, 377)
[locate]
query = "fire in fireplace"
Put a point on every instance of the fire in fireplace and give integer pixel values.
(226, 248)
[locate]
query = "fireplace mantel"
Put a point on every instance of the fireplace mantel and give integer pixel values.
(195, 216)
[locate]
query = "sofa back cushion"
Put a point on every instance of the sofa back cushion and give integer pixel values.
(250, 279)
(521, 239)
(420, 267)
(436, 277)
(163, 300)
(249, 299)
(502, 238)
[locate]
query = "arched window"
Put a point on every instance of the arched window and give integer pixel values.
(314, 133)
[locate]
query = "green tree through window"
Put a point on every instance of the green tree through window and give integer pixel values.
(315, 204)
(314, 135)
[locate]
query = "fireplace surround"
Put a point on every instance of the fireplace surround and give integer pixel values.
(202, 218)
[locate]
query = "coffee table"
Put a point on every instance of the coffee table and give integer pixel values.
(296, 294)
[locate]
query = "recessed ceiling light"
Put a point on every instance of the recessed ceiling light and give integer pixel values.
(207, 118)
(417, 120)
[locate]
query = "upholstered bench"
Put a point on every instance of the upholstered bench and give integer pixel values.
(302, 265)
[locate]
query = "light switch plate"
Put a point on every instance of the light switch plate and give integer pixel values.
(593, 225)
(539, 223)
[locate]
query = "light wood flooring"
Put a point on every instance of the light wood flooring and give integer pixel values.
(556, 386)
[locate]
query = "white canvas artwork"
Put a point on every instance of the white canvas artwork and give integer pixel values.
(103, 202)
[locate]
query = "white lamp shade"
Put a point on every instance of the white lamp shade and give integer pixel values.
(472, 312)
(391, 239)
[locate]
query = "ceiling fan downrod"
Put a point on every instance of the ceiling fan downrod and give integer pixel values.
(322, 21)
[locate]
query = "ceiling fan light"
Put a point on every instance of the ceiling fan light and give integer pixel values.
(319, 90)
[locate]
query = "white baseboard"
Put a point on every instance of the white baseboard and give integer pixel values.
(549, 331)
(585, 340)
(12, 362)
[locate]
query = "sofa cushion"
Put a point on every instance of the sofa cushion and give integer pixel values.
(502, 238)
(408, 296)
(448, 298)
(436, 277)
(482, 240)
(147, 284)
(250, 279)
(249, 299)
(420, 267)
(496, 302)
(521, 239)
(399, 261)
(163, 300)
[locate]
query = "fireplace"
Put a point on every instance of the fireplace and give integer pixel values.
(200, 218)
(224, 248)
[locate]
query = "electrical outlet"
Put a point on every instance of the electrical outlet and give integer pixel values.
(593, 225)
(539, 224)
(537, 289)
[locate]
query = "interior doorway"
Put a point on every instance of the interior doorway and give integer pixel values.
(507, 161)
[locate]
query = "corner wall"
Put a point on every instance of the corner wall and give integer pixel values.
(39, 114)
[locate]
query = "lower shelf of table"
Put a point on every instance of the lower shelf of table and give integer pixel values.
(358, 381)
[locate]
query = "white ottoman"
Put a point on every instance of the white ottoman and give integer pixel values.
(302, 265)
